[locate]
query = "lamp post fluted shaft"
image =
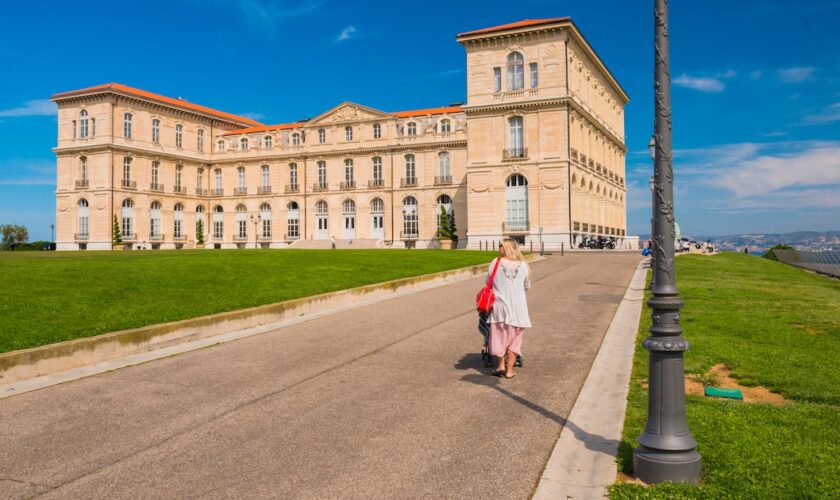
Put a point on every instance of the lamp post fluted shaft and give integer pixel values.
(666, 449)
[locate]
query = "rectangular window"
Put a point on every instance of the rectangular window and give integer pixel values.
(243, 228)
(93, 127)
(266, 228)
(177, 228)
(294, 228)
(179, 136)
(348, 133)
(156, 131)
(348, 170)
(409, 168)
(127, 169)
(127, 125)
(74, 129)
(266, 177)
(322, 136)
(199, 178)
(377, 169)
(322, 173)
(377, 131)
(516, 136)
(533, 67)
(155, 172)
(178, 171)
(84, 169)
(200, 140)
(218, 229)
(241, 178)
(218, 179)
(293, 179)
(497, 79)
(268, 142)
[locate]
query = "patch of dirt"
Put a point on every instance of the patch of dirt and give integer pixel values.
(625, 478)
(724, 379)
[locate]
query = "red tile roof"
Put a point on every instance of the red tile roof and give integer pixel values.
(266, 128)
(525, 23)
(429, 111)
(160, 98)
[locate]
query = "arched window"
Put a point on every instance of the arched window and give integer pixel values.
(127, 125)
(156, 131)
(127, 218)
(377, 131)
(268, 142)
(220, 146)
(154, 221)
(296, 139)
(243, 144)
(218, 222)
(83, 123)
(410, 170)
(321, 208)
(574, 180)
(348, 207)
(377, 171)
(83, 219)
(179, 136)
(516, 135)
(411, 128)
(322, 136)
(265, 221)
(443, 163)
(199, 142)
(445, 126)
(516, 204)
(178, 222)
(410, 226)
(348, 133)
(516, 71)
(377, 206)
(293, 221)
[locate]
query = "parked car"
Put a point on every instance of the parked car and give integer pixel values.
(48, 246)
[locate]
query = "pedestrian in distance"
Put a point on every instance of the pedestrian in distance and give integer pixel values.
(332, 240)
(509, 317)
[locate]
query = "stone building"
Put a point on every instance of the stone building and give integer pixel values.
(536, 153)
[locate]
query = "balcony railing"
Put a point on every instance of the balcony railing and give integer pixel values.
(264, 190)
(292, 188)
(347, 185)
(201, 191)
(240, 190)
(238, 237)
(376, 183)
(515, 153)
(217, 192)
(408, 181)
(443, 179)
(411, 235)
(263, 237)
(156, 187)
(179, 189)
(127, 184)
(515, 226)
(155, 237)
(129, 237)
(217, 237)
(82, 184)
(81, 236)
(179, 237)
(320, 187)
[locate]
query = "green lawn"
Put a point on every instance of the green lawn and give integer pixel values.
(776, 326)
(48, 297)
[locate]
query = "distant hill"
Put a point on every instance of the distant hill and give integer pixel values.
(801, 240)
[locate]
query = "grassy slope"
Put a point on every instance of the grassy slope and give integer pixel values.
(773, 325)
(48, 297)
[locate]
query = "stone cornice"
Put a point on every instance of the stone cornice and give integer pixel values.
(115, 148)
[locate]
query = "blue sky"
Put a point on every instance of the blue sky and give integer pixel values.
(756, 85)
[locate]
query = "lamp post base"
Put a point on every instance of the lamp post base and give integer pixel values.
(658, 466)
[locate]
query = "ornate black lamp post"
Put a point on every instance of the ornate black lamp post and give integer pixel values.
(652, 150)
(667, 449)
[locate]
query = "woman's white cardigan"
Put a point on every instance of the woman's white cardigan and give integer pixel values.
(509, 286)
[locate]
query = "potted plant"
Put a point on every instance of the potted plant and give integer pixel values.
(444, 237)
(453, 231)
(199, 234)
(116, 237)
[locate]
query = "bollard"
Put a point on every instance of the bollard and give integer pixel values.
(561, 248)
(532, 246)
(542, 248)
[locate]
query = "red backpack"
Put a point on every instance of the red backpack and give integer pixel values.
(486, 298)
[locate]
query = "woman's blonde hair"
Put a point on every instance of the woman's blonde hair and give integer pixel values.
(512, 251)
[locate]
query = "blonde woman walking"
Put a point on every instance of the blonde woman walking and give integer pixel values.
(509, 317)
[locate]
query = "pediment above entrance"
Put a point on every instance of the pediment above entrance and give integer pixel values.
(348, 112)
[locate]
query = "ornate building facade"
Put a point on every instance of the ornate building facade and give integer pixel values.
(536, 153)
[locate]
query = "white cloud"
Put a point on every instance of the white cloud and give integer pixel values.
(265, 14)
(831, 114)
(27, 172)
(347, 33)
(797, 74)
(253, 116)
(703, 84)
(33, 181)
(37, 107)
(755, 75)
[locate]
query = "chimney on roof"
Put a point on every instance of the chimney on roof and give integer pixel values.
(304, 120)
(453, 104)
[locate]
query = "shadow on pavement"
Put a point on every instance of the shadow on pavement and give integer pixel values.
(473, 361)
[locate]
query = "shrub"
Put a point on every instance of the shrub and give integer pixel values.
(116, 237)
(772, 256)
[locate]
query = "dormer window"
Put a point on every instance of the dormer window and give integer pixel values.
(348, 133)
(296, 139)
(243, 144)
(220, 146)
(268, 142)
(445, 126)
(411, 128)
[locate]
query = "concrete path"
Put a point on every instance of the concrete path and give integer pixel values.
(387, 400)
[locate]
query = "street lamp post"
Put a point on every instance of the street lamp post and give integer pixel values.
(652, 182)
(256, 221)
(666, 449)
(52, 233)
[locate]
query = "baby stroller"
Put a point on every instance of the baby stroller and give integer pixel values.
(484, 330)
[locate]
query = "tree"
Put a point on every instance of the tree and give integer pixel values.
(116, 237)
(443, 225)
(453, 231)
(199, 232)
(13, 235)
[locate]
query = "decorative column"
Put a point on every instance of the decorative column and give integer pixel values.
(667, 448)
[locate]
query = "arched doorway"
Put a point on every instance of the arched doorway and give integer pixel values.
(348, 211)
(516, 204)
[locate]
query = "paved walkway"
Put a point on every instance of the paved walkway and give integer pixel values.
(387, 400)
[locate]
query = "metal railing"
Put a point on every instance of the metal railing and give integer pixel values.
(443, 179)
(241, 190)
(82, 184)
(127, 184)
(408, 235)
(238, 237)
(376, 183)
(264, 190)
(821, 262)
(292, 188)
(263, 237)
(179, 189)
(514, 153)
(179, 237)
(155, 187)
(515, 226)
(347, 185)
(155, 237)
(408, 181)
(201, 191)
(320, 187)
(217, 192)
(129, 237)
